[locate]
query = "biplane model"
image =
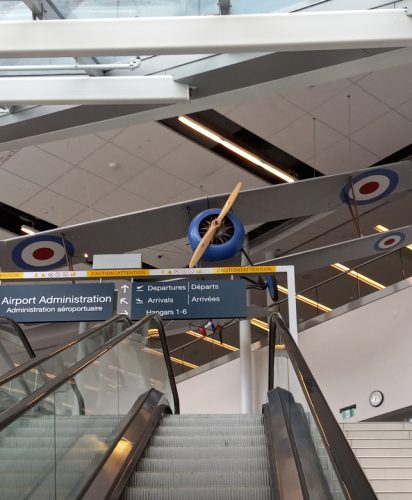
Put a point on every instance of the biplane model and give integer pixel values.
(216, 234)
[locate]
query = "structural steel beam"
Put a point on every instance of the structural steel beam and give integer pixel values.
(46, 10)
(96, 90)
(219, 80)
(208, 34)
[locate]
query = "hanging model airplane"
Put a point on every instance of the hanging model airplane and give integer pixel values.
(216, 232)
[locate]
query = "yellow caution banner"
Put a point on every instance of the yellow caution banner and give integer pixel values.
(136, 273)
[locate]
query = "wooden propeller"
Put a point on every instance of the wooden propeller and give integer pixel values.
(214, 226)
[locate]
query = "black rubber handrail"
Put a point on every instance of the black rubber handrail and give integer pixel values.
(13, 413)
(20, 333)
(41, 359)
(353, 481)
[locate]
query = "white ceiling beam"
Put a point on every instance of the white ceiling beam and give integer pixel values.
(208, 34)
(44, 9)
(92, 90)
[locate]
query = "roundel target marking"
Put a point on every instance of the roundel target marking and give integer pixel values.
(41, 253)
(389, 241)
(370, 186)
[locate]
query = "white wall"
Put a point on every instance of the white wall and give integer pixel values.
(363, 350)
(218, 390)
(350, 355)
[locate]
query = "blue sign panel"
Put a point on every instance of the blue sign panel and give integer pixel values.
(188, 299)
(50, 303)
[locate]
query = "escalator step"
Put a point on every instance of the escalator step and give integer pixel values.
(262, 493)
(210, 430)
(190, 453)
(200, 479)
(208, 441)
(205, 464)
(211, 420)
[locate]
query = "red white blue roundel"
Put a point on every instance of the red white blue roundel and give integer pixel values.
(388, 241)
(41, 253)
(370, 186)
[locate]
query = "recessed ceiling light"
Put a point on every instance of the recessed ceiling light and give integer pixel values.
(244, 153)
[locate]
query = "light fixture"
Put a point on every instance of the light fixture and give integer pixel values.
(28, 229)
(260, 324)
(383, 229)
(359, 276)
(236, 149)
(212, 341)
(306, 300)
(173, 359)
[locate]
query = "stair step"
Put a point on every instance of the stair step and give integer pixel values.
(391, 495)
(377, 434)
(386, 473)
(380, 443)
(401, 485)
(211, 493)
(377, 426)
(383, 452)
(385, 462)
(200, 479)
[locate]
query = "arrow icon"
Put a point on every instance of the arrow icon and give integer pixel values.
(125, 288)
(123, 301)
(125, 312)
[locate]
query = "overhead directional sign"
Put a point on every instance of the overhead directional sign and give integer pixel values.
(187, 299)
(124, 297)
(50, 303)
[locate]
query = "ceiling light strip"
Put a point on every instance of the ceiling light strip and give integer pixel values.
(358, 276)
(173, 359)
(212, 341)
(260, 324)
(306, 300)
(383, 229)
(231, 146)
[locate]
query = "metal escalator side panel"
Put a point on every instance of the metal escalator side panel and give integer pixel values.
(345, 477)
(109, 481)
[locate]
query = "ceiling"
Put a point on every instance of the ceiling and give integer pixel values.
(344, 124)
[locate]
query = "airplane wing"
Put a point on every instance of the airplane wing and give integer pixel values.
(154, 226)
(358, 248)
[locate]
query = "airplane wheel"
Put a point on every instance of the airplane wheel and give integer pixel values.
(228, 240)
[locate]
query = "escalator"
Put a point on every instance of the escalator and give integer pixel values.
(128, 440)
(23, 372)
(14, 346)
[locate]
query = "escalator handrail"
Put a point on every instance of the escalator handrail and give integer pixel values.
(20, 334)
(13, 413)
(350, 474)
(29, 365)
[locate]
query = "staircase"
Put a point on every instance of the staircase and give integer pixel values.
(204, 457)
(384, 450)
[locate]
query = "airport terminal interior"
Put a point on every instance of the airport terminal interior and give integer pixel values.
(205, 249)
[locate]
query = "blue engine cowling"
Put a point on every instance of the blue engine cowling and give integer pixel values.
(222, 250)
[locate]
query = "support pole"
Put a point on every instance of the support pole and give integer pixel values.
(245, 357)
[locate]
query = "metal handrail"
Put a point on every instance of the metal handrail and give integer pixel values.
(351, 476)
(20, 333)
(24, 367)
(334, 277)
(13, 413)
